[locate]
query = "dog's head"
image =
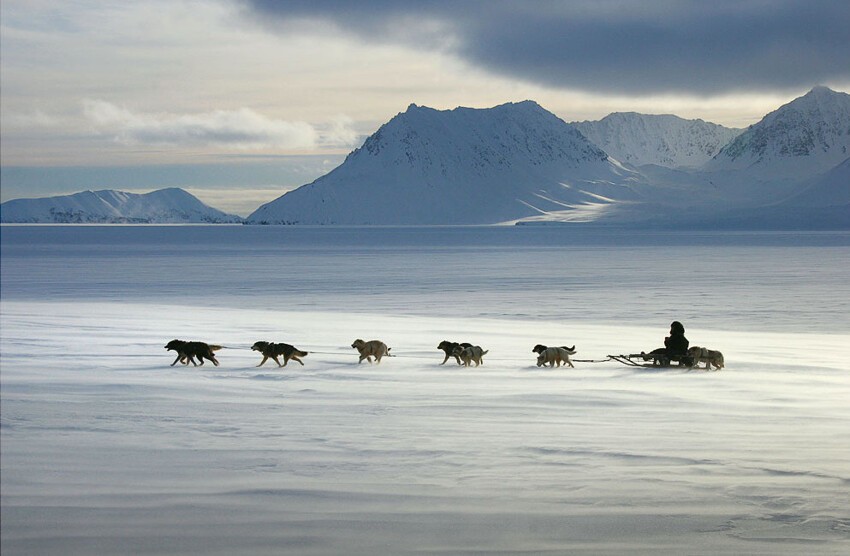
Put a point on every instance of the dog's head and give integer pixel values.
(358, 344)
(541, 359)
(446, 345)
(539, 348)
(175, 345)
(259, 346)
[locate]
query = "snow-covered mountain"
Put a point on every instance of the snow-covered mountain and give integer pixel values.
(664, 140)
(165, 206)
(461, 166)
(801, 139)
(520, 163)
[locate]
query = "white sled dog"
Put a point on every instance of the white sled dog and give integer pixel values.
(709, 356)
(370, 349)
(555, 355)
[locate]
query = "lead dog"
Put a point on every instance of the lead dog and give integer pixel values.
(555, 355)
(448, 347)
(710, 356)
(273, 351)
(370, 349)
(187, 351)
(471, 354)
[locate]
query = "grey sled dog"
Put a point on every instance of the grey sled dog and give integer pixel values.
(472, 354)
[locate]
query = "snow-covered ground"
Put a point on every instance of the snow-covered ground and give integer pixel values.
(106, 449)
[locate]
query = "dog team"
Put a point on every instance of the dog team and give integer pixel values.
(676, 348)
(464, 353)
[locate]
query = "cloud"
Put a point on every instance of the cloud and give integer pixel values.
(610, 46)
(240, 129)
(340, 133)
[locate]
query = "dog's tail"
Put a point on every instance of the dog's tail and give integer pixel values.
(571, 351)
(302, 353)
(388, 354)
(215, 348)
(485, 352)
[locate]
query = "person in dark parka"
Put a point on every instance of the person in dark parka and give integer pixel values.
(675, 347)
(676, 344)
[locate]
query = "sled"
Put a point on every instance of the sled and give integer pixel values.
(650, 360)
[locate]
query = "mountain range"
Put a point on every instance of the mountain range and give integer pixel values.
(520, 164)
(165, 206)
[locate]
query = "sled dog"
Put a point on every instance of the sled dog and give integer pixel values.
(370, 349)
(555, 356)
(449, 347)
(274, 350)
(187, 351)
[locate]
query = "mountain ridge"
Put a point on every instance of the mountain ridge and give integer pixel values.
(519, 163)
(812, 132)
(664, 139)
(108, 206)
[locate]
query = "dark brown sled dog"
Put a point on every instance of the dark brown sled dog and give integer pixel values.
(187, 351)
(272, 350)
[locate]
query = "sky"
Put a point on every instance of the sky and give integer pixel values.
(238, 101)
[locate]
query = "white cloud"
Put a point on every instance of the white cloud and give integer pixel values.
(341, 133)
(240, 129)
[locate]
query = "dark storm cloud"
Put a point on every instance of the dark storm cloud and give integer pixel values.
(614, 46)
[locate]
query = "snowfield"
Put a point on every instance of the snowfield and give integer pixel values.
(106, 449)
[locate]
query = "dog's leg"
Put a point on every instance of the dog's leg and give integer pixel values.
(294, 358)
(446, 359)
(263, 362)
(179, 357)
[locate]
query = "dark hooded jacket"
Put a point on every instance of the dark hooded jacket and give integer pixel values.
(676, 343)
